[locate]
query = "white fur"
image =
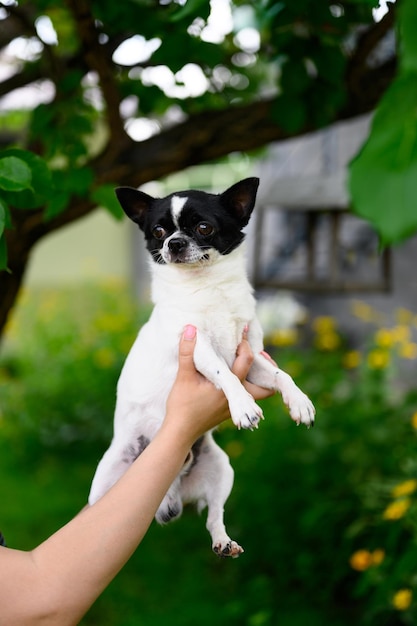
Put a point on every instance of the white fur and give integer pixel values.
(177, 205)
(216, 297)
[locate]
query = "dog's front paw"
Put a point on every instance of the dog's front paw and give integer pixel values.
(301, 408)
(228, 548)
(246, 413)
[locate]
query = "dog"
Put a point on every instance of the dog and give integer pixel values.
(197, 259)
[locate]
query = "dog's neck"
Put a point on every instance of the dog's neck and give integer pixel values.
(171, 282)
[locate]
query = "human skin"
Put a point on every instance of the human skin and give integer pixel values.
(58, 581)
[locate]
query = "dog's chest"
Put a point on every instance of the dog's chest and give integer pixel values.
(207, 304)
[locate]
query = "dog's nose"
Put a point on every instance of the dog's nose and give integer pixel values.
(177, 245)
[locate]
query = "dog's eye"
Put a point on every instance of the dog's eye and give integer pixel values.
(205, 229)
(159, 232)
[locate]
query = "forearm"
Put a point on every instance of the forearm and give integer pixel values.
(73, 567)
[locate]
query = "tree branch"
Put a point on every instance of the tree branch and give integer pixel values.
(204, 137)
(201, 138)
(98, 61)
(29, 74)
(18, 23)
(359, 66)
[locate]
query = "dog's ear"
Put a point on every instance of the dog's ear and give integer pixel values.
(134, 203)
(240, 198)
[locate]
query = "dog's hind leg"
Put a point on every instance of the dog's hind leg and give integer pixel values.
(111, 467)
(126, 446)
(222, 544)
(171, 506)
(209, 482)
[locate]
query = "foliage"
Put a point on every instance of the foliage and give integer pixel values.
(310, 507)
(219, 93)
(384, 172)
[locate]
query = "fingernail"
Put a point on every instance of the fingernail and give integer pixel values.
(246, 329)
(266, 355)
(189, 332)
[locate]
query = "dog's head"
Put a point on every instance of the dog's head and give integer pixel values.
(191, 227)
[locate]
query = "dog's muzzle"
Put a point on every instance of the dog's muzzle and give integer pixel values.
(177, 246)
(182, 250)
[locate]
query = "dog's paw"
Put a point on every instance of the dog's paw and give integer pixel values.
(169, 509)
(301, 408)
(229, 548)
(246, 413)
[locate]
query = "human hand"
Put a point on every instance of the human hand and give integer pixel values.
(194, 404)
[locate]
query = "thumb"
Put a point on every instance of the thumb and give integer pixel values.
(186, 349)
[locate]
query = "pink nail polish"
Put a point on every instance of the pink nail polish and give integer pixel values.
(189, 332)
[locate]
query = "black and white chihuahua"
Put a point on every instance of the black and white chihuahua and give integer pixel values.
(199, 278)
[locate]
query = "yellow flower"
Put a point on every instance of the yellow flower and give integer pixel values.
(408, 350)
(327, 341)
(397, 509)
(384, 338)
(284, 337)
(365, 312)
(378, 359)
(402, 599)
(401, 333)
(324, 324)
(352, 359)
(378, 556)
(104, 358)
(404, 316)
(327, 337)
(361, 560)
(405, 488)
(414, 420)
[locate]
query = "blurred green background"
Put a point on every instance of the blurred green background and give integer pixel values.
(327, 516)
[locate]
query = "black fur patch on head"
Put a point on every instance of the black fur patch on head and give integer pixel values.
(212, 221)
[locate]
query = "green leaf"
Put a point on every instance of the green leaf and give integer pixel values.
(3, 253)
(3, 210)
(383, 177)
(191, 10)
(289, 112)
(41, 183)
(294, 78)
(74, 181)
(15, 174)
(407, 21)
(105, 197)
(57, 204)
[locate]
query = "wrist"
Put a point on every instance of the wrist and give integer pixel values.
(174, 428)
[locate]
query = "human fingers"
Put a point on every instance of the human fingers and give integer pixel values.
(186, 350)
(260, 393)
(244, 358)
(257, 393)
(268, 357)
(242, 365)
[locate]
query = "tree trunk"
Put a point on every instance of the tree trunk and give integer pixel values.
(28, 229)
(12, 279)
(10, 283)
